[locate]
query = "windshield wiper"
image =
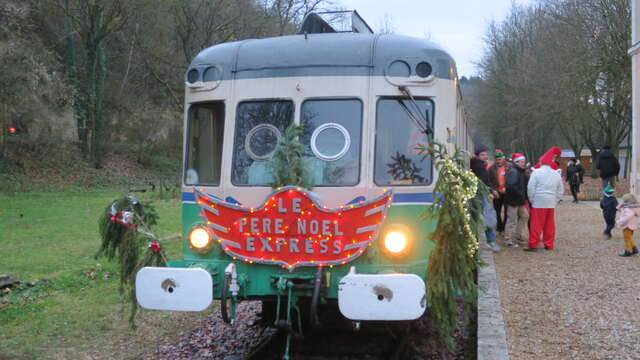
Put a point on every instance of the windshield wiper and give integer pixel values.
(426, 128)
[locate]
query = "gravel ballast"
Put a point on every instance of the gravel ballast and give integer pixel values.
(578, 301)
(213, 339)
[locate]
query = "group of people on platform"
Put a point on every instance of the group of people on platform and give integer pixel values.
(524, 198)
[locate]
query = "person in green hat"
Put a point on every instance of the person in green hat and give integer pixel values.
(609, 206)
(498, 183)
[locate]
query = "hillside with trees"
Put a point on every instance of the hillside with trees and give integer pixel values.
(88, 80)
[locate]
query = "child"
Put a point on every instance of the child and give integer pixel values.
(609, 206)
(629, 220)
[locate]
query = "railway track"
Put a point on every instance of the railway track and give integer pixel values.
(253, 338)
(336, 338)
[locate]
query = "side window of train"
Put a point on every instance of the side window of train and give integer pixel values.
(397, 162)
(259, 125)
(332, 133)
(204, 148)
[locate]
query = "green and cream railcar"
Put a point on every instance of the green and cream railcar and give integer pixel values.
(366, 101)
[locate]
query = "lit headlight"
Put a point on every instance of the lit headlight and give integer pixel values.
(199, 238)
(395, 241)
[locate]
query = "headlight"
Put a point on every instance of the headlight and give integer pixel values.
(395, 241)
(199, 238)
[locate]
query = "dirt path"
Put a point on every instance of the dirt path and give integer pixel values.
(579, 301)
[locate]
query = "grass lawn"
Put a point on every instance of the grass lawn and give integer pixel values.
(78, 313)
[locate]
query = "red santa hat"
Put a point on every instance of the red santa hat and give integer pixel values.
(547, 158)
(517, 157)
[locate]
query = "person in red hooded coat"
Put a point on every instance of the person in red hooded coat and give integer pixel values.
(544, 190)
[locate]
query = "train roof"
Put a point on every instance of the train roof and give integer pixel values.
(324, 54)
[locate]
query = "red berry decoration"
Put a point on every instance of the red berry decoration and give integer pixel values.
(154, 246)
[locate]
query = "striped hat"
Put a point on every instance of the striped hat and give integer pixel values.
(609, 190)
(499, 154)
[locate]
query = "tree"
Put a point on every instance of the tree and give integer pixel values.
(290, 13)
(509, 94)
(202, 23)
(386, 25)
(94, 21)
(558, 67)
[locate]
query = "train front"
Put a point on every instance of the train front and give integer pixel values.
(356, 239)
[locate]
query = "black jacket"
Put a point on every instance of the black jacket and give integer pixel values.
(478, 168)
(609, 206)
(516, 193)
(607, 164)
(575, 174)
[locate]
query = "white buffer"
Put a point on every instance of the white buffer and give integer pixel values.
(177, 289)
(381, 296)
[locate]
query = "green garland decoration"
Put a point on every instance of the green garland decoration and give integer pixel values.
(125, 234)
(287, 163)
(453, 261)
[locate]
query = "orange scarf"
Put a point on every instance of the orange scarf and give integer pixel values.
(502, 181)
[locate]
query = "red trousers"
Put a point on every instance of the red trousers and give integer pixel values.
(542, 222)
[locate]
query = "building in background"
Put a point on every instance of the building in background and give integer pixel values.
(586, 160)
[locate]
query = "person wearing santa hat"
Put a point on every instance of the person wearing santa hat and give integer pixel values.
(515, 199)
(544, 189)
(554, 153)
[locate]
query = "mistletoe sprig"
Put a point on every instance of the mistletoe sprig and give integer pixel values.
(125, 232)
(453, 261)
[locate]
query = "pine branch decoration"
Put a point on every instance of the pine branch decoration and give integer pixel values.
(453, 261)
(125, 234)
(124, 242)
(287, 162)
(403, 168)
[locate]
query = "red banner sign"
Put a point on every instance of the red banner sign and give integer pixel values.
(292, 229)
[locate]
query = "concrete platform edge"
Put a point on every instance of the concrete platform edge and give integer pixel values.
(492, 338)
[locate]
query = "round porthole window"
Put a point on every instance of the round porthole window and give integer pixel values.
(261, 141)
(330, 141)
(192, 76)
(212, 73)
(399, 68)
(423, 69)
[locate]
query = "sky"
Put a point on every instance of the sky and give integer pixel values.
(456, 25)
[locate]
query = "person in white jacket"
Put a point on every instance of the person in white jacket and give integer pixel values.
(544, 190)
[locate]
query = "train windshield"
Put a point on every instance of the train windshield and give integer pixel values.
(397, 161)
(332, 132)
(204, 144)
(259, 125)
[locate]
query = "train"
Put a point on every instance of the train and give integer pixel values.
(355, 241)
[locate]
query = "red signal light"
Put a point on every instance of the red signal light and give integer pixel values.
(11, 129)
